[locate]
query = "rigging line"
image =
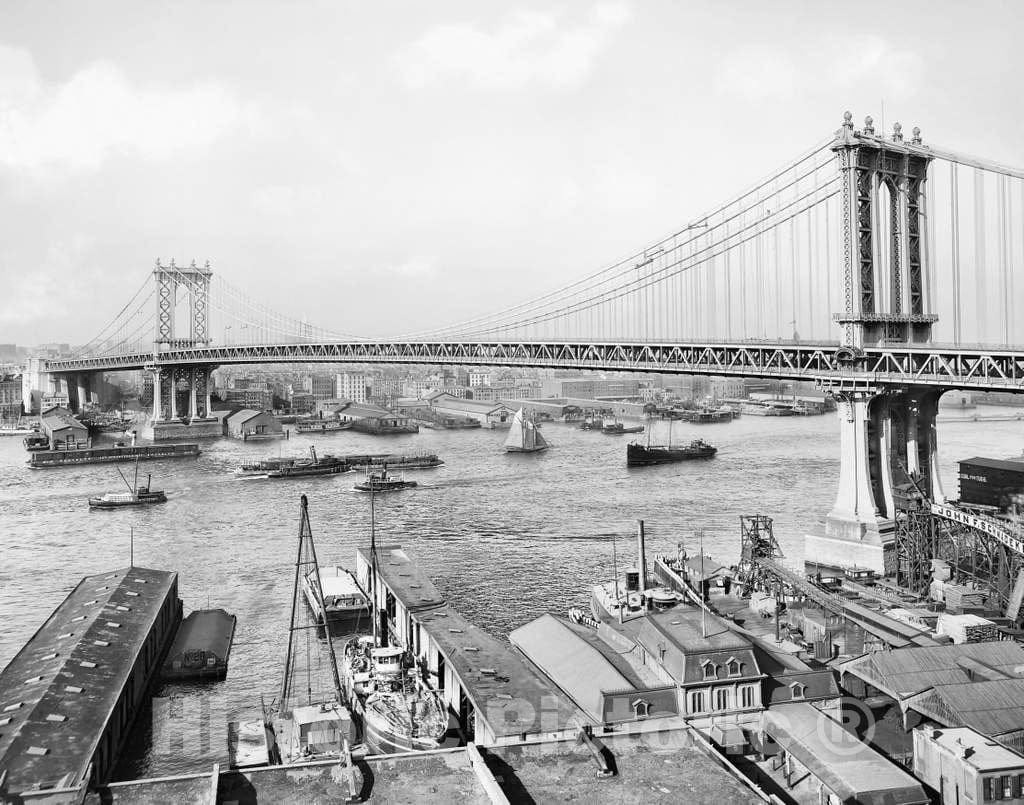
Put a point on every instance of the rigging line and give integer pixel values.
(629, 262)
(601, 300)
(504, 315)
(127, 305)
(758, 225)
(101, 346)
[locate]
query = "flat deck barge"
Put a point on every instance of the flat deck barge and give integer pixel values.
(43, 459)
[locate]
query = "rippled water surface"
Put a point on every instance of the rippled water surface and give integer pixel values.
(505, 537)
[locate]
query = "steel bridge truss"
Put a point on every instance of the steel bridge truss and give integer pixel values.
(836, 367)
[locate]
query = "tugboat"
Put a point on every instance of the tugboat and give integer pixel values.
(382, 482)
(620, 599)
(135, 496)
(328, 465)
(523, 436)
(638, 455)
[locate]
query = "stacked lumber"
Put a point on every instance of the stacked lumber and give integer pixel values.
(958, 598)
(967, 628)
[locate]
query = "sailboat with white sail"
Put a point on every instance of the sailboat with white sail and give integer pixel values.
(524, 436)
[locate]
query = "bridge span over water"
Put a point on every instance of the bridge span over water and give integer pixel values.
(877, 265)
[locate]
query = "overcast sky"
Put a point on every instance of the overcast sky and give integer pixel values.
(381, 166)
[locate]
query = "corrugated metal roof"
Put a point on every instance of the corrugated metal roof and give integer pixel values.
(991, 707)
(570, 662)
(907, 671)
(1014, 465)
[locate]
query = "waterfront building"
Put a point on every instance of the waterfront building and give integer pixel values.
(10, 398)
(351, 387)
(69, 697)
(488, 414)
(590, 388)
(479, 378)
(250, 424)
(62, 429)
(371, 419)
(250, 396)
(961, 765)
(495, 694)
(322, 387)
(301, 402)
(816, 760)
(588, 671)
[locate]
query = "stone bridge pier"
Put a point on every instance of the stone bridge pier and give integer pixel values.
(887, 447)
(182, 403)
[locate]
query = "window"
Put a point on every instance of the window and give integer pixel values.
(697, 701)
(641, 708)
(1006, 786)
(747, 696)
(722, 699)
(798, 690)
(734, 666)
(710, 670)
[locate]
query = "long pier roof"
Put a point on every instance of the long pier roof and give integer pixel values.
(60, 690)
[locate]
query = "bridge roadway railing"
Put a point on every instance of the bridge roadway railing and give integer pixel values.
(827, 362)
(895, 632)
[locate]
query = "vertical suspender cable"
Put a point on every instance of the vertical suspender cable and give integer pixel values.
(954, 216)
(980, 330)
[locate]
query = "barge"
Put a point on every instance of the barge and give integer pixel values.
(43, 459)
(202, 646)
(419, 461)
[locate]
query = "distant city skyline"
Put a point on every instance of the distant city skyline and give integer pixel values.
(396, 166)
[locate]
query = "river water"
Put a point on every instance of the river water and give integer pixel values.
(505, 537)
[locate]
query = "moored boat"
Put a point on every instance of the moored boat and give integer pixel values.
(321, 425)
(617, 429)
(343, 599)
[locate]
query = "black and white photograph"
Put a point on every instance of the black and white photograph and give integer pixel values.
(596, 401)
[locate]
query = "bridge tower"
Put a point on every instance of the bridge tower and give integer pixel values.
(887, 432)
(181, 393)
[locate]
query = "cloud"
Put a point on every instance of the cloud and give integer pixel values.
(418, 266)
(98, 113)
(50, 290)
(281, 200)
(527, 49)
(757, 75)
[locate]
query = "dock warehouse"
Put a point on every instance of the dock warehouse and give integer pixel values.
(494, 692)
(69, 697)
(62, 429)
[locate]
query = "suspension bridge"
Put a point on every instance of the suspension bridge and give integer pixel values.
(876, 265)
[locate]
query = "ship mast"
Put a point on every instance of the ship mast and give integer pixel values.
(307, 567)
(373, 570)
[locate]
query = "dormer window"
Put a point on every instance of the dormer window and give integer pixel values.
(641, 708)
(710, 669)
(798, 690)
(735, 666)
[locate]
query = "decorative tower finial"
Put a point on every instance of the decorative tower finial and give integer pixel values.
(917, 136)
(897, 133)
(847, 120)
(158, 263)
(207, 264)
(869, 125)
(193, 264)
